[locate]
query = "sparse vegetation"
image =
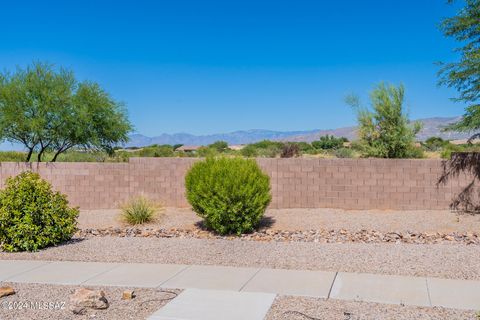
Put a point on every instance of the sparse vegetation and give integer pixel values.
(140, 210)
(329, 142)
(290, 150)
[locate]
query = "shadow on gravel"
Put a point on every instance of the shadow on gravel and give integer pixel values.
(265, 223)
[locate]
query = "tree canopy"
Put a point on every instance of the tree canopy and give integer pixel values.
(47, 109)
(464, 74)
(384, 130)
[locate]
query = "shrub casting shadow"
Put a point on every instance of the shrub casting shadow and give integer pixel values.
(467, 163)
(265, 223)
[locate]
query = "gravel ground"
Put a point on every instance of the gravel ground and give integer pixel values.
(291, 308)
(148, 301)
(307, 219)
(438, 260)
(143, 305)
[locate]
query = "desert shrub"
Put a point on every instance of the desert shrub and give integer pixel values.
(452, 148)
(156, 151)
(12, 156)
(329, 142)
(249, 151)
(32, 215)
(344, 153)
(290, 150)
(304, 146)
(140, 210)
(206, 152)
(230, 194)
(220, 146)
(434, 144)
(265, 144)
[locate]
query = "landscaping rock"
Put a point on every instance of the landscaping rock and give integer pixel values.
(128, 295)
(6, 291)
(86, 298)
(320, 236)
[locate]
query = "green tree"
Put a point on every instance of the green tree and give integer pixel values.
(464, 75)
(329, 142)
(47, 109)
(220, 146)
(385, 131)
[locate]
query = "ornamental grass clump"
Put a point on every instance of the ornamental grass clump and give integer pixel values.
(230, 194)
(32, 215)
(140, 210)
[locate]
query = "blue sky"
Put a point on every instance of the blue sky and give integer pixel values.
(218, 66)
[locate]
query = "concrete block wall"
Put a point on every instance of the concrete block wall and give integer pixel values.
(296, 183)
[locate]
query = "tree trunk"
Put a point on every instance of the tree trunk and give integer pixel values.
(56, 155)
(29, 155)
(39, 156)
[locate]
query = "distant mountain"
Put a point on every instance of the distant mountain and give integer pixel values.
(431, 127)
(236, 137)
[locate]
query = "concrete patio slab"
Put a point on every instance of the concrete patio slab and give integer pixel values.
(64, 272)
(10, 268)
(458, 294)
(292, 282)
(137, 275)
(216, 305)
(211, 277)
(381, 289)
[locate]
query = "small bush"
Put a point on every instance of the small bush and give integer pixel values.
(434, 144)
(249, 151)
(12, 156)
(290, 150)
(329, 142)
(220, 146)
(139, 210)
(32, 215)
(230, 194)
(344, 153)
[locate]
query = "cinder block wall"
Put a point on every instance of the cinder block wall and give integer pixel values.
(296, 183)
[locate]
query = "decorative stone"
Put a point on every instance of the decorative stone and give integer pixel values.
(322, 236)
(6, 291)
(128, 295)
(87, 298)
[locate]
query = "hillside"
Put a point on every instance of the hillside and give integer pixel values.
(431, 127)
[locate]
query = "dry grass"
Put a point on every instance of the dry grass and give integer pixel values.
(140, 210)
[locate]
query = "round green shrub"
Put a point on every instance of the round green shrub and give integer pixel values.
(230, 194)
(32, 215)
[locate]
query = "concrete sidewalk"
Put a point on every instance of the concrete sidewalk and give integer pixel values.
(415, 291)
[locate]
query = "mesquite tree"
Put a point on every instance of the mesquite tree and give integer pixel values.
(47, 109)
(464, 74)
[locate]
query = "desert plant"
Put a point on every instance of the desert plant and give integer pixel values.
(249, 151)
(140, 210)
(385, 131)
(344, 153)
(220, 146)
(329, 142)
(32, 215)
(290, 150)
(434, 144)
(230, 194)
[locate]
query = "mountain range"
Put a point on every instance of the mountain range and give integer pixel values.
(431, 127)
